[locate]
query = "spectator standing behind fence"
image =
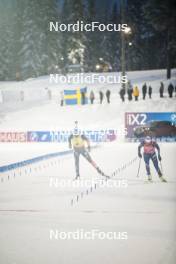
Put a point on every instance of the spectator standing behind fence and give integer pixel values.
(92, 97)
(136, 93)
(108, 94)
(144, 91)
(61, 98)
(101, 96)
(83, 98)
(170, 90)
(129, 91)
(122, 94)
(49, 94)
(150, 92)
(22, 96)
(161, 89)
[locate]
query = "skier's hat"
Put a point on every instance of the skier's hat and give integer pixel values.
(76, 132)
(148, 139)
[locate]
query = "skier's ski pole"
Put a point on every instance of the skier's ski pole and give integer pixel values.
(139, 168)
(161, 166)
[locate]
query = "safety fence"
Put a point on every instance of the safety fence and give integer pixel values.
(95, 186)
(16, 168)
(27, 164)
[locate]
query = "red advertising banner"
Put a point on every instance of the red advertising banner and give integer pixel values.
(13, 137)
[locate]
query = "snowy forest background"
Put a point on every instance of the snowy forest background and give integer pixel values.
(28, 49)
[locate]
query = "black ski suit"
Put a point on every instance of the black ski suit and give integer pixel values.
(144, 91)
(170, 90)
(150, 92)
(108, 93)
(161, 90)
(122, 94)
(101, 96)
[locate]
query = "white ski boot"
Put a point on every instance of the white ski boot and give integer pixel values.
(162, 179)
(77, 177)
(150, 178)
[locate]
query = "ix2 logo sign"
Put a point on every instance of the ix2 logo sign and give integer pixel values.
(159, 125)
(136, 119)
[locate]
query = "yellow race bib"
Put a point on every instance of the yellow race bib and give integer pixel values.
(77, 142)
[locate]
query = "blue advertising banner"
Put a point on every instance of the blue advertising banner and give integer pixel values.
(160, 125)
(63, 135)
(38, 136)
(104, 135)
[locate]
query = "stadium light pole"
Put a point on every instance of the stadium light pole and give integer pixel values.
(127, 31)
(123, 52)
(123, 66)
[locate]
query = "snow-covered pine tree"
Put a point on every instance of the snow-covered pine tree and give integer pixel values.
(17, 44)
(134, 56)
(6, 41)
(65, 18)
(77, 48)
(73, 43)
(113, 40)
(50, 41)
(92, 38)
(144, 38)
(30, 55)
(162, 16)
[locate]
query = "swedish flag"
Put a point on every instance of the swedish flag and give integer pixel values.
(76, 97)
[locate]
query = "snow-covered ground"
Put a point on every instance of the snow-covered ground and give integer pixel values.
(30, 207)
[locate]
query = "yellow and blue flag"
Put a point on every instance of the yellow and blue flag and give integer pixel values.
(76, 97)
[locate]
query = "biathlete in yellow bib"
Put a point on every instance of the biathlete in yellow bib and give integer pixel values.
(81, 146)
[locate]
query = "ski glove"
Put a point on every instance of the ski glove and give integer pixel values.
(159, 157)
(139, 155)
